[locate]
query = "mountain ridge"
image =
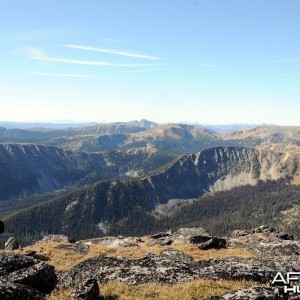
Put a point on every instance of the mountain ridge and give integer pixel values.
(190, 176)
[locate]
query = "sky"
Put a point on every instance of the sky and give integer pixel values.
(213, 62)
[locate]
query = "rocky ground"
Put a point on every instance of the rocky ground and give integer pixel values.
(249, 258)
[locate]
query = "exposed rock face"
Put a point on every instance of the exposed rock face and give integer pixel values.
(15, 291)
(213, 243)
(119, 241)
(268, 242)
(57, 238)
(13, 262)
(88, 290)
(78, 248)
(170, 266)
(31, 168)
(23, 274)
(11, 244)
(275, 251)
(41, 277)
(187, 235)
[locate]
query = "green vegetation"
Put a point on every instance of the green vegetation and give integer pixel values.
(240, 208)
(124, 206)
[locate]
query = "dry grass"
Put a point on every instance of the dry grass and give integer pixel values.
(66, 259)
(196, 289)
(189, 249)
(59, 258)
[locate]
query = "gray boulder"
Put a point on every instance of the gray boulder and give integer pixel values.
(160, 242)
(41, 277)
(15, 291)
(191, 231)
(13, 262)
(88, 290)
(57, 238)
(11, 244)
(160, 235)
(238, 233)
(213, 243)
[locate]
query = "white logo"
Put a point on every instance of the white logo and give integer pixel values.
(289, 285)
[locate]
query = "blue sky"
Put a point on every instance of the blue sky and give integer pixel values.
(165, 60)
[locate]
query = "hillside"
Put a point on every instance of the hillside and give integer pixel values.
(45, 134)
(27, 168)
(273, 202)
(178, 138)
(266, 135)
(120, 135)
(89, 211)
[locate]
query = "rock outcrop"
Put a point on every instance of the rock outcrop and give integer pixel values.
(170, 267)
(88, 290)
(41, 277)
(21, 274)
(57, 238)
(187, 235)
(15, 291)
(11, 244)
(213, 243)
(273, 251)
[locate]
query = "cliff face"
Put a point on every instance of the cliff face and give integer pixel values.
(28, 168)
(37, 168)
(221, 168)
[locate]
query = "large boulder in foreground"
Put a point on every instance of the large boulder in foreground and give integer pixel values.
(88, 290)
(11, 244)
(41, 277)
(14, 291)
(10, 262)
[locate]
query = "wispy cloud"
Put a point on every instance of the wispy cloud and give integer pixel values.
(88, 62)
(72, 75)
(113, 51)
(208, 65)
(38, 54)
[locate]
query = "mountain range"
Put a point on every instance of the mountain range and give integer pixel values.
(114, 170)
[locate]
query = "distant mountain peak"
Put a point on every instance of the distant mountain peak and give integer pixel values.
(144, 123)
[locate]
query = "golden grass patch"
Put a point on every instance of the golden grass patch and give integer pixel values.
(63, 259)
(189, 249)
(196, 289)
